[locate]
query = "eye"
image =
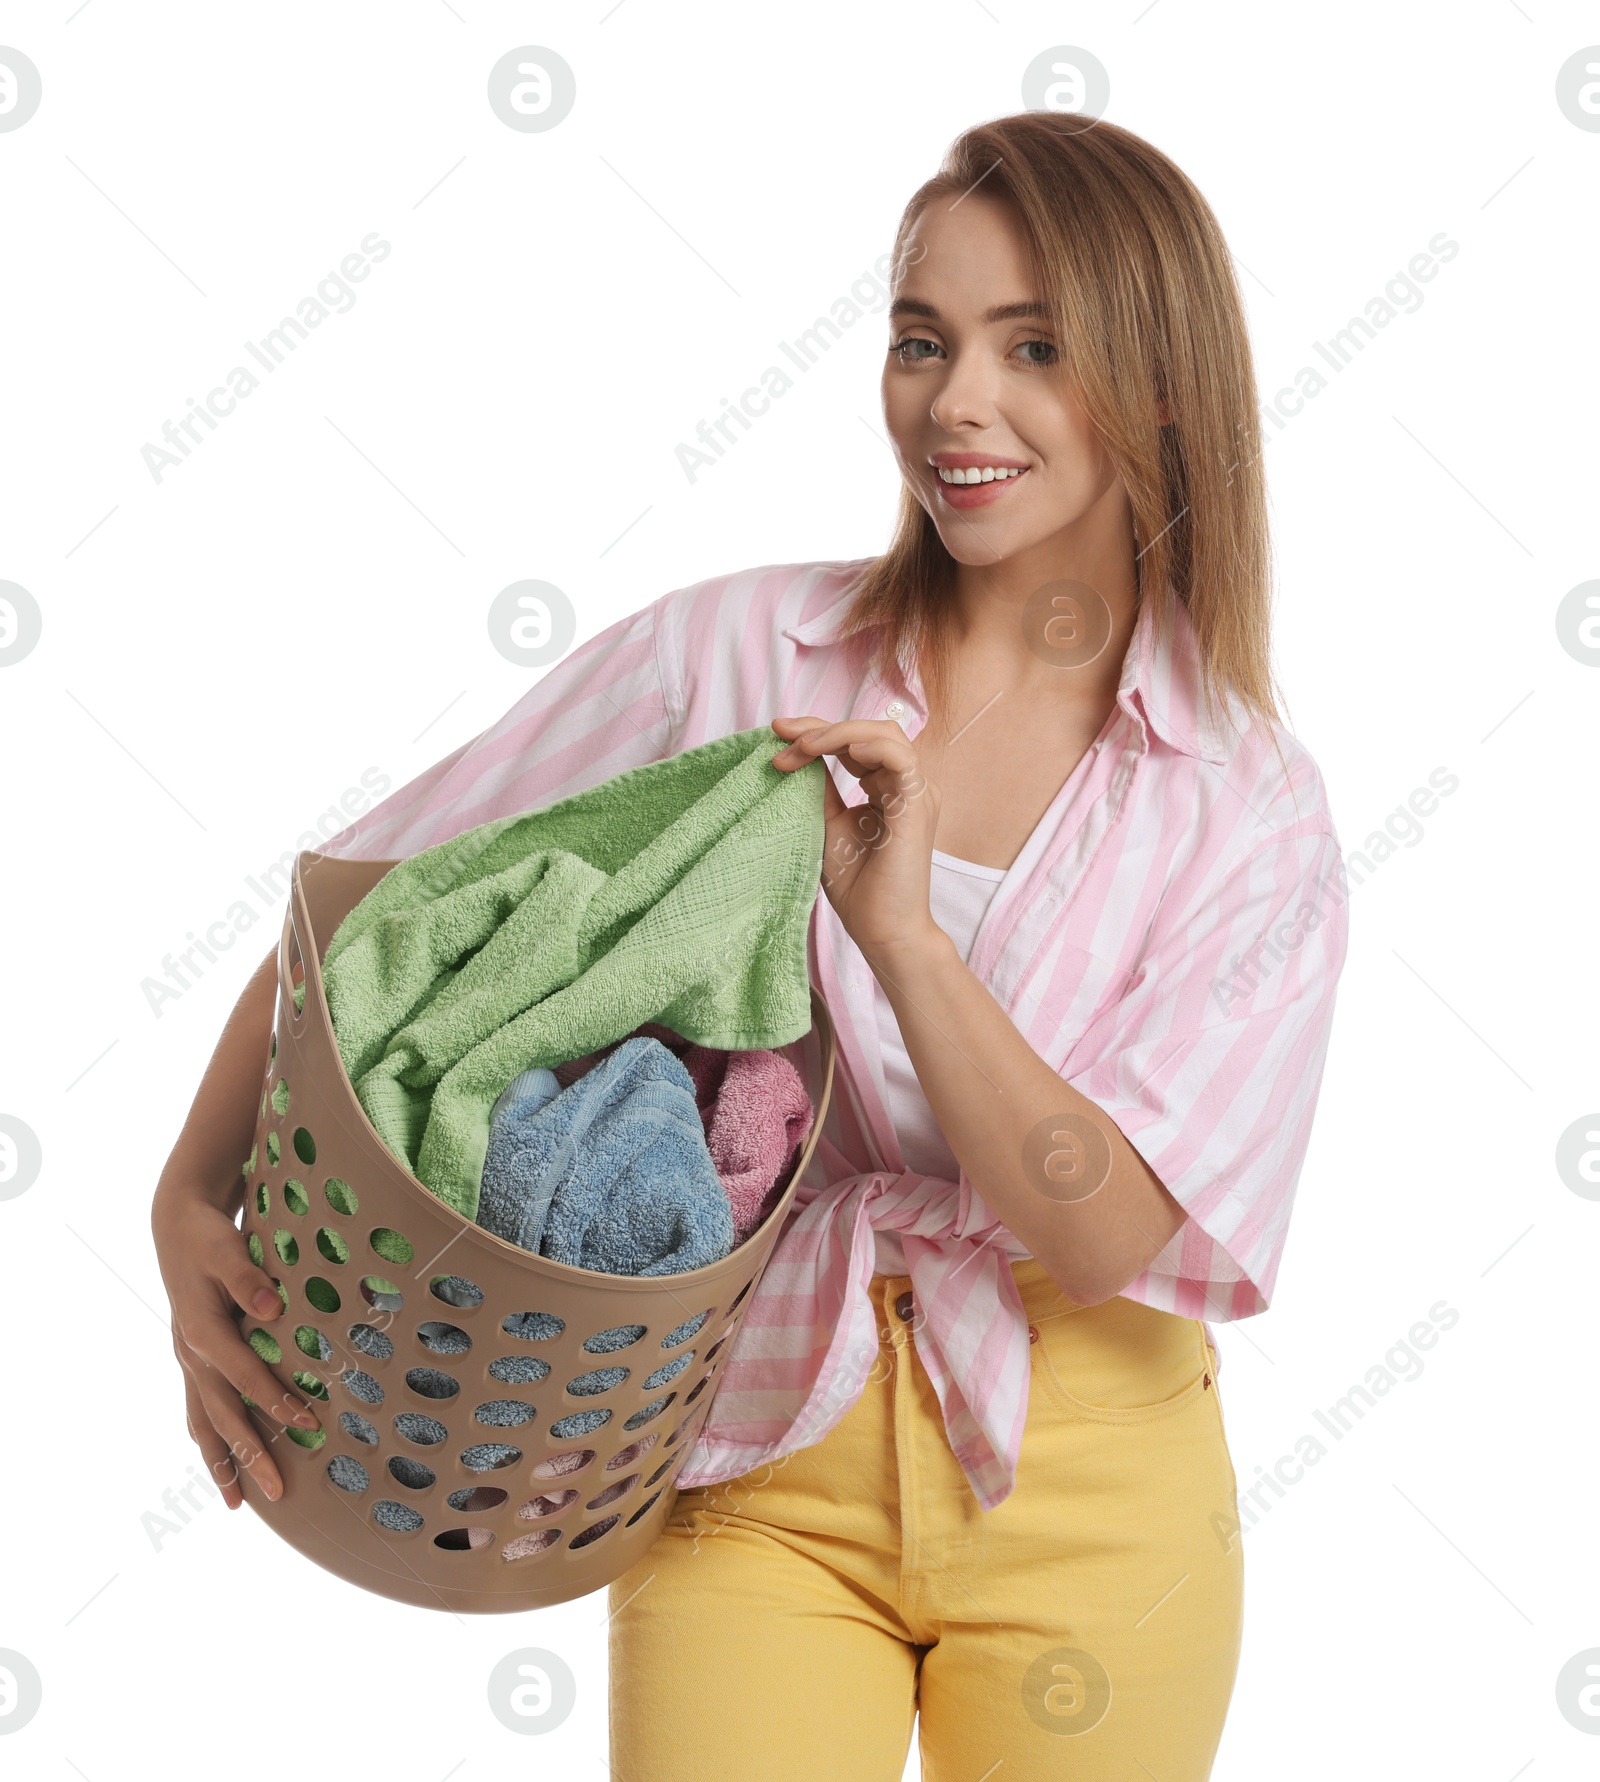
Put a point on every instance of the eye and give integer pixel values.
(1038, 352)
(906, 350)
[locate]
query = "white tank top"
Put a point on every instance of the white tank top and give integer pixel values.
(959, 893)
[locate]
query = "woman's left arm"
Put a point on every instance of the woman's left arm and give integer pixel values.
(1050, 1163)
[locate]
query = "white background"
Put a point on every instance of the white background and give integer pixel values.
(224, 652)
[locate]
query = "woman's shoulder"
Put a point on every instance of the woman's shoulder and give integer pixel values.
(1274, 784)
(776, 597)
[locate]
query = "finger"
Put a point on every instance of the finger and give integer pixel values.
(251, 1288)
(214, 1342)
(213, 1450)
(241, 1444)
(862, 745)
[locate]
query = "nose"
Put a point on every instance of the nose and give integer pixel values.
(966, 398)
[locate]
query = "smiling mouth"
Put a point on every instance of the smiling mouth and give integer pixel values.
(987, 473)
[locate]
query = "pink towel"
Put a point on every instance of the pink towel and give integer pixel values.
(755, 1111)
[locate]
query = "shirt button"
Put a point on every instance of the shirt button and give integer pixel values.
(1033, 1333)
(903, 1308)
(894, 709)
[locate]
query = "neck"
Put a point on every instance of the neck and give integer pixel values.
(993, 618)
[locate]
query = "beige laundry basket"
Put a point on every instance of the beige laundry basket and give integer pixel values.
(421, 1339)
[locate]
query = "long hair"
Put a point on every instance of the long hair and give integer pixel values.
(1134, 264)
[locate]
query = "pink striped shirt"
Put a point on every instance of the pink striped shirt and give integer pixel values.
(1169, 940)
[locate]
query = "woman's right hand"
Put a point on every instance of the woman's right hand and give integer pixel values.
(208, 1272)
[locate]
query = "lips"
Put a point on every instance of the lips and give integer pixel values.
(971, 479)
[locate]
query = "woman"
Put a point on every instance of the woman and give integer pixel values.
(1082, 929)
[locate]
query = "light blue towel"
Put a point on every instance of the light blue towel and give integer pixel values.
(611, 1173)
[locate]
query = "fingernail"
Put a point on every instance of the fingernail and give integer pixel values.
(271, 1491)
(305, 1420)
(265, 1302)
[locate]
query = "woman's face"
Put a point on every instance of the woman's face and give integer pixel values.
(976, 381)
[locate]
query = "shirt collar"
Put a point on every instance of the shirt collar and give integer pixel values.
(1161, 685)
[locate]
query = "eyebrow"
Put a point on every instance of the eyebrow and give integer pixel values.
(1002, 312)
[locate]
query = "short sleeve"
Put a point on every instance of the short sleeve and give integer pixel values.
(1212, 1062)
(602, 709)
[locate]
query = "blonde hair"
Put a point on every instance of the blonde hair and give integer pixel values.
(1134, 264)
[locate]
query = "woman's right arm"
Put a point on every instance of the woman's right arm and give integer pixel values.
(204, 1263)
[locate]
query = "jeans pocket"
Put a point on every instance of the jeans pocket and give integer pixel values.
(1121, 1362)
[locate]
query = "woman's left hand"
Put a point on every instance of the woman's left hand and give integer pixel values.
(877, 857)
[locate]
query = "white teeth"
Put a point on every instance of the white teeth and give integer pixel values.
(987, 474)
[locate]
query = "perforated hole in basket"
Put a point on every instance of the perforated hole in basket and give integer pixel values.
(322, 1294)
(620, 1336)
(613, 1492)
(340, 1196)
(682, 1332)
(426, 1431)
(443, 1339)
(459, 1540)
(526, 1546)
(487, 1457)
(476, 1498)
(357, 1426)
(391, 1245)
(596, 1381)
(518, 1370)
(332, 1247)
(295, 1197)
(579, 1423)
(649, 1411)
(432, 1382)
(381, 1293)
(505, 1413)
(592, 1534)
(456, 1290)
(362, 1386)
(561, 1466)
(397, 1518)
(348, 1473)
(411, 1473)
(545, 1505)
(670, 1371)
(643, 1510)
(634, 1451)
(533, 1327)
(371, 1341)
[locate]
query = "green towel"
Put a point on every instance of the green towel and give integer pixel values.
(679, 892)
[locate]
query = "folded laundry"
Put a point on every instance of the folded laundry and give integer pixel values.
(677, 892)
(611, 1173)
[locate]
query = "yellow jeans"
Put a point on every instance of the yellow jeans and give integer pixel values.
(792, 1623)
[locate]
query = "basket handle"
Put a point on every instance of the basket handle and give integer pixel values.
(291, 967)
